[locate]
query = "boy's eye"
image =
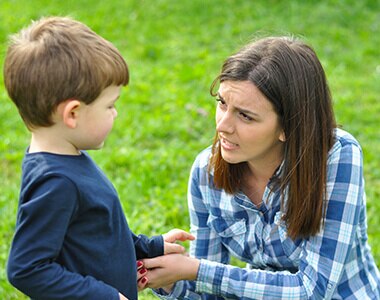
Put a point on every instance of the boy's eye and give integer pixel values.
(220, 101)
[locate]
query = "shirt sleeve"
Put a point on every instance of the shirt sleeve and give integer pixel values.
(148, 247)
(43, 218)
(323, 256)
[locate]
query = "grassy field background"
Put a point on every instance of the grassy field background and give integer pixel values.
(166, 116)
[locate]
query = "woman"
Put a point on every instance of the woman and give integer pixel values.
(281, 189)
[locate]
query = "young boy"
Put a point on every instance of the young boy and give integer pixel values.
(72, 240)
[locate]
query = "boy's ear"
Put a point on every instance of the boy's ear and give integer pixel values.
(69, 111)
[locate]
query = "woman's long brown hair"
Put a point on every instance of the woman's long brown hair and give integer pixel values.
(289, 74)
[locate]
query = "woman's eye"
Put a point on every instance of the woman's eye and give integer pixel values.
(245, 116)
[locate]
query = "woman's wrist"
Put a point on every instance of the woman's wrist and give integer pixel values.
(192, 269)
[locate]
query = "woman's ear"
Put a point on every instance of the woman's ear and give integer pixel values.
(282, 137)
(69, 111)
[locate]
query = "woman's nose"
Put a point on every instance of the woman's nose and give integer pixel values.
(224, 122)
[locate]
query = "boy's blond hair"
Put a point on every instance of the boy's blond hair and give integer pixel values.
(56, 59)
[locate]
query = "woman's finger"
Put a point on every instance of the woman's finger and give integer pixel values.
(151, 263)
(142, 283)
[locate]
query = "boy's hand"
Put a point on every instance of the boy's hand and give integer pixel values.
(175, 235)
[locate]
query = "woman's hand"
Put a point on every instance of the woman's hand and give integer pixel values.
(142, 280)
(165, 270)
(169, 247)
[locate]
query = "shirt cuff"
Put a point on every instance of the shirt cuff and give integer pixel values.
(210, 277)
(148, 247)
(175, 293)
(156, 246)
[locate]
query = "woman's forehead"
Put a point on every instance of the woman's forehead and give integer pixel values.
(244, 94)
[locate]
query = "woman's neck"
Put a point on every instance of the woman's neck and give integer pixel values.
(256, 179)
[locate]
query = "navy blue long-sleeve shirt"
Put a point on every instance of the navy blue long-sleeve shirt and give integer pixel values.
(72, 240)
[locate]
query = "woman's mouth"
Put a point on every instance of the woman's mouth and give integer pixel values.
(227, 145)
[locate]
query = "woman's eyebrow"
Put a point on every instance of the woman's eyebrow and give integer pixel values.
(248, 112)
(240, 109)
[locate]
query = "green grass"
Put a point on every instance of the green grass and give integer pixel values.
(174, 50)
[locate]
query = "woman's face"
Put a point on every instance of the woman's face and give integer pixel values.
(247, 125)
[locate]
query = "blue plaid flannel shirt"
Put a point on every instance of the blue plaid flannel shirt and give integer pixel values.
(334, 264)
